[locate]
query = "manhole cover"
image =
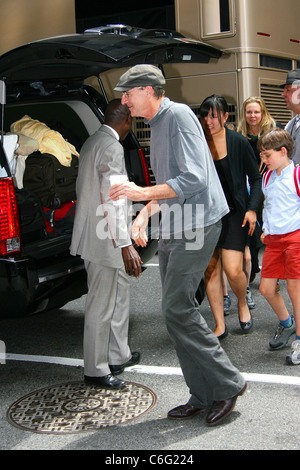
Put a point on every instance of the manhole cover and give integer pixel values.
(77, 407)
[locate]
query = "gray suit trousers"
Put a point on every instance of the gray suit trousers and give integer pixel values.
(106, 320)
(207, 370)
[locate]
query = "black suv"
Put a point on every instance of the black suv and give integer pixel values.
(45, 80)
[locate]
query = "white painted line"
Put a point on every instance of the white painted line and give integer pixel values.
(153, 370)
(65, 361)
(272, 379)
(266, 378)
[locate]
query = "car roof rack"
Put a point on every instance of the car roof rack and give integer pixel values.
(127, 30)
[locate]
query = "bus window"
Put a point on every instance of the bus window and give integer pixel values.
(217, 18)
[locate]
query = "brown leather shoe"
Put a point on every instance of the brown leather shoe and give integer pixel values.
(183, 411)
(220, 409)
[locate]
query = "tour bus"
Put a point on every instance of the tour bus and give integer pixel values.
(260, 41)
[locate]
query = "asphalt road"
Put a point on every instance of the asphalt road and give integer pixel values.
(46, 350)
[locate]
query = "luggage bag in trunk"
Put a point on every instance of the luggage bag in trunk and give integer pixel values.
(51, 181)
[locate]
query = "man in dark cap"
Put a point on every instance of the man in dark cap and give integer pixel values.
(189, 196)
(291, 95)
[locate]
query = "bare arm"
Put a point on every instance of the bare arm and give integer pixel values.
(139, 226)
(133, 192)
(251, 218)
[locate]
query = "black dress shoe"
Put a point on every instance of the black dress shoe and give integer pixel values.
(107, 381)
(220, 409)
(118, 369)
(183, 411)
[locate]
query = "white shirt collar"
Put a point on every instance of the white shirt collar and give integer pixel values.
(114, 131)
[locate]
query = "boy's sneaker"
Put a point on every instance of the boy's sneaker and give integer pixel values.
(282, 336)
(249, 298)
(227, 303)
(294, 357)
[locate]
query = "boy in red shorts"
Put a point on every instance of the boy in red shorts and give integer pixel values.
(281, 235)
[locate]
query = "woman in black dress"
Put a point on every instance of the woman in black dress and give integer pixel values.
(235, 163)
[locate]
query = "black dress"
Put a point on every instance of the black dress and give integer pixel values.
(233, 236)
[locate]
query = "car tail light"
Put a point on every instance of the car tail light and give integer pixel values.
(145, 167)
(9, 218)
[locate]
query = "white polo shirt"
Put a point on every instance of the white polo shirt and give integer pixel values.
(281, 213)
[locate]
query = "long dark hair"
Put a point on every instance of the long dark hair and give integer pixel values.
(212, 103)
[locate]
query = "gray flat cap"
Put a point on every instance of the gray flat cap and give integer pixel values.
(292, 77)
(140, 75)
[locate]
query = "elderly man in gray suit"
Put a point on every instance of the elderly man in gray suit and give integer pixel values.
(100, 236)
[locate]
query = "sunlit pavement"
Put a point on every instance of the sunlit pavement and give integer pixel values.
(46, 351)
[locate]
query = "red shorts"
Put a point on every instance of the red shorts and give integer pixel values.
(281, 258)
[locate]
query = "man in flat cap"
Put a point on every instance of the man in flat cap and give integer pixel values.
(291, 95)
(191, 201)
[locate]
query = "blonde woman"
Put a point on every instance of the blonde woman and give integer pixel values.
(255, 120)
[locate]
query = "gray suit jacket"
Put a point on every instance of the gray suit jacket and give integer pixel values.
(100, 228)
(296, 137)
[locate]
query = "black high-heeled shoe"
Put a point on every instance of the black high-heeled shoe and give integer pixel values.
(247, 325)
(223, 335)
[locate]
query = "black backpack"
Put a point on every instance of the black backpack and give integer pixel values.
(52, 182)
